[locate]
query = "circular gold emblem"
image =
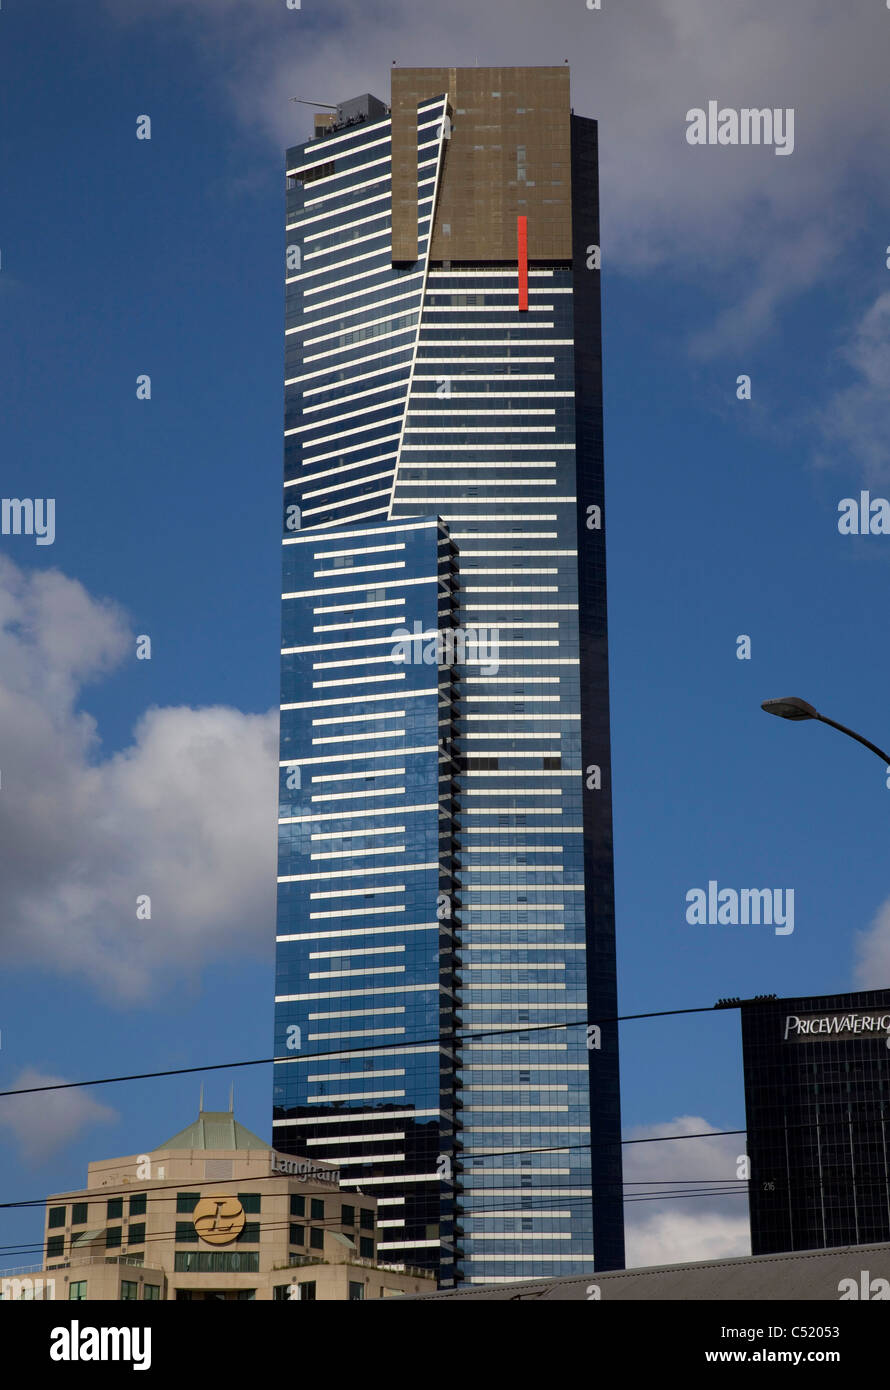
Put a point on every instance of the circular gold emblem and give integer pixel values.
(219, 1219)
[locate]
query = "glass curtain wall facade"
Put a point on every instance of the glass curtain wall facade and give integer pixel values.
(817, 1099)
(445, 881)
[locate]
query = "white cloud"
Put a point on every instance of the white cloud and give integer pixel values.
(44, 1123)
(184, 814)
(855, 421)
(751, 228)
(673, 1229)
(872, 952)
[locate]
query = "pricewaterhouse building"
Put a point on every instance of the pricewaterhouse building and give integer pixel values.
(445, 871)
(213, 1213)
(817, 1097)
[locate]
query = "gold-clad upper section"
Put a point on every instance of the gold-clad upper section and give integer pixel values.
(508, 156)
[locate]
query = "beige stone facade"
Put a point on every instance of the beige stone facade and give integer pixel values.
(214, 1214)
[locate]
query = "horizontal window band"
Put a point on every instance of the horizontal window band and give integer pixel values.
(338, 212)
(347, 227)
(426, 361)
(336, 266)
(357, 1118)
(350, 187)
(394, 386)
(353, 796)
(357, 588)
(354, 1095)
(385, 357)
(453, 448)
(357, 1138)
(340, 873)
(353, 994)
(391, 529)
(475, 273)
(365, 642)
(355, 1075)
(386, 334)
(327, 143)
(364, 736)
(362, 932)
(496, 342)
(361, 699)
(343, 1159)
(455, 430)
(310, 460)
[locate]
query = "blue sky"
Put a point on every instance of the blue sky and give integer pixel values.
(117, 777)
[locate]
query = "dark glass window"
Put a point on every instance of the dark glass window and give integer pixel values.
(79, 1213)
(129, 1291)
(216, 1261)
(187, 1201)
(136, 1233)
(316, 1238)
(186, 1233)
(115, 1208)
(297, 1234)
(137, 1204)
(250, 1201)
(57, 1216)
(366, 1248)
(307, 1290)
(297, 1204)
(321, 171)
(347, 1216)
(367, 1219)
(151, 1293)
(280, 1292)
(55, 1247)
(113, 1237)
(356, 1291)
(250, 1233)
(317, 1209)
(77, 1290)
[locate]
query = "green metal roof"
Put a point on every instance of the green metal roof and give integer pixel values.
(214, 1129)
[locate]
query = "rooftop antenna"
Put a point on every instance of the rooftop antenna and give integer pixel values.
(314, 103)
(232, 1099)
(201, 1099)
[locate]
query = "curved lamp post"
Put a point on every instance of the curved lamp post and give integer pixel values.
(791, 707)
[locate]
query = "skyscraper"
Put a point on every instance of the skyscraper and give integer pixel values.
(817, 1099)
(446, 919)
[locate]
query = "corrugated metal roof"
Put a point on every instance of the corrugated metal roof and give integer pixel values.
(805, 1274)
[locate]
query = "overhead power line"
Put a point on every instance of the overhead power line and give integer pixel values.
(343, 1195)
(403, 1046)
(540, 1204)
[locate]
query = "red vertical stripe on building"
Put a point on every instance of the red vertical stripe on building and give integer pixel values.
(522, 239)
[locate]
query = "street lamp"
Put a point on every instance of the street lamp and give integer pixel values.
(791, 707)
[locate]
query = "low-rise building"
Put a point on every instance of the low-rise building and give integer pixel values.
(212, 1213)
